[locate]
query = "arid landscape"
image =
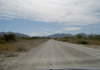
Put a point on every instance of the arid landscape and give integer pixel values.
(28, 53)
(49, 34)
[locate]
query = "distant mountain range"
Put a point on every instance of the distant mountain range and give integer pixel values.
(60, 35)
(17, 34)
(50, 36)
(65, 35)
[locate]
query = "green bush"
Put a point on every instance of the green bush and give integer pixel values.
(79, 36)
(83, 42)
(2, 41)
(10, 37)
(94, 37)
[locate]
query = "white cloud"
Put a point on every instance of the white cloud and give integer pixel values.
(58, 31)
(33, 34)
(72, 12)
(72, 28)
(47, 29)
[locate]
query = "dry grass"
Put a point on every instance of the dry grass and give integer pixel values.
(22, 45)
(9, 52)
(85, 42)
(94, 42)
(80, 41)
(26, 45)
(7, 47)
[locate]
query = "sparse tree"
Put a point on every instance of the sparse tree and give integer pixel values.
(10, 37)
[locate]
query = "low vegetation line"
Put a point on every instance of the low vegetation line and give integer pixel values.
(11, 42)
(92, 40)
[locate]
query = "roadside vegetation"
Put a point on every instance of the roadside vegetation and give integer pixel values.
(12, 46)
(10, 42)
(13, 43)
(92, 39)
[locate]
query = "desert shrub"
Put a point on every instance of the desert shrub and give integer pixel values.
(9, 37)
(31, 38)
(79, 36)
(94, 37)
(82, 42)
(1, 37)
(35, 37)
(2, 41)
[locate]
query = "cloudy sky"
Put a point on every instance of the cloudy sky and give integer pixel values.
(46, 17)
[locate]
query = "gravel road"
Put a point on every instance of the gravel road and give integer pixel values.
(57, 55)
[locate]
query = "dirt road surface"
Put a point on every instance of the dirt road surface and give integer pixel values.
(57, 55)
